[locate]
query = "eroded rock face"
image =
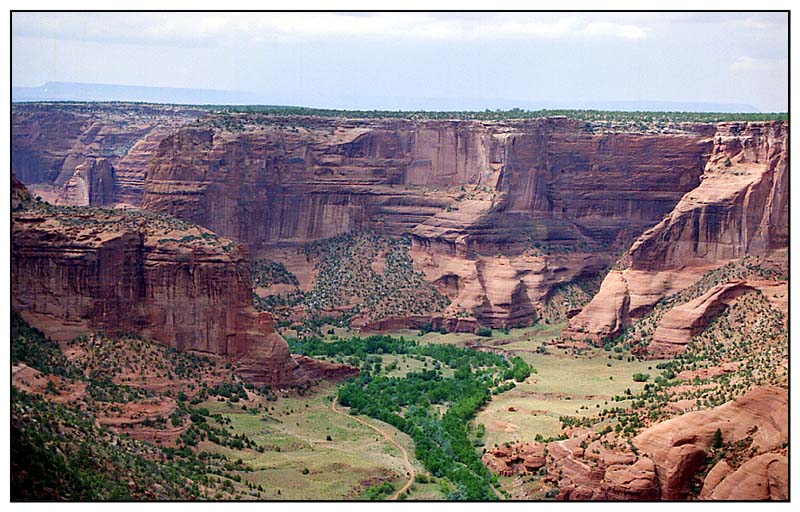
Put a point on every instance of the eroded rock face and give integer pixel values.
(92, 183)
(598, 473)
(740, 208)
(677, 327)
(518, 459)
(64, 152)
(720, 470)
(463, 190)
(678, 446)
(765, 477)
(501, 214)
(78, 270)
(625, 296)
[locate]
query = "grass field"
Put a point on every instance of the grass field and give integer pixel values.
(295, 432)
(294, 436)
(564, 385)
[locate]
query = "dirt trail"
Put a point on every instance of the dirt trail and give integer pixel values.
(409, 467)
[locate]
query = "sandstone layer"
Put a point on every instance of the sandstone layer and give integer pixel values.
(76, 270)
(678, 446)
(57, 149)
(677, 327)
(500, 214)
(740, 208)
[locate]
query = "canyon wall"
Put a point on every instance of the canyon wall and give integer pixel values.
(56, 146)
(550, 198)
(550, 180)
(740, 208)
(76, 270)
(501, 214)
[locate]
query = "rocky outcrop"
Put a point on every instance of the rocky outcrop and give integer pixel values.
(720, 470)
(587, 470)
(678, 446)
(19, 193)
(740, 208)
(666, 457)
(79, 269)
(764, 477)
(677, 327)
(501, 290)
(73, 150)
(518, 459)
(92, 183)
(624, 297)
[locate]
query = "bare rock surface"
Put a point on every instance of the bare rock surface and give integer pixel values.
(739, 209)
(678, 446)
(76, 270)
(677, 327)
(764, 477)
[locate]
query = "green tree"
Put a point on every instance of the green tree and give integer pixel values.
(717, 442)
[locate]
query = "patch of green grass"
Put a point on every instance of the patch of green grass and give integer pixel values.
(294, 435)
(565, 385)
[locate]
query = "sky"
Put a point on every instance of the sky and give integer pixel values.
(423, 60)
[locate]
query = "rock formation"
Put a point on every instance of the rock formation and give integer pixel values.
(678, 446)
(764, 477)
(667, 456)
(517, 459)
(501, 214)
(92, 182)
(465, 191)
(76, 270)
(740, 208)
(55, 148)
(678, 325)
(598, 473)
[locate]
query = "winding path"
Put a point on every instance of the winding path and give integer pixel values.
(389, 438)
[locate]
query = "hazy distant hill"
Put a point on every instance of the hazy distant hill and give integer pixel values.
(71, 91)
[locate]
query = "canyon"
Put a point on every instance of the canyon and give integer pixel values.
(666, 241)
(502, 215)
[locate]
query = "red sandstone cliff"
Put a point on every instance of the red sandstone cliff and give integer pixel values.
(89, 155)
(479, 199)
(311, 178)
(740, 208)
(501, 214)
(80, 269)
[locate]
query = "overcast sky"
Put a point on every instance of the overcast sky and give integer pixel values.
(367, 60)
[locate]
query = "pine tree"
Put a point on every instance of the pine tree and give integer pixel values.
(717, 441)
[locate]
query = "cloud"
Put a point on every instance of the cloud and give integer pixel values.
(209, 29)
(747, 64)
